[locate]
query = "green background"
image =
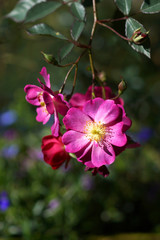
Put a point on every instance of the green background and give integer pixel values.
(71, 204)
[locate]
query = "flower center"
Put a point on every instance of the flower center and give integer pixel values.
(41, 101)
(95, 131)
(40, 97)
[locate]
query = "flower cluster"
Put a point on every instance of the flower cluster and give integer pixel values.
(95, 128)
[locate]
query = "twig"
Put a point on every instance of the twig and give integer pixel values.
(113, 30)
(75, 64)
(113, 20)
(64, 83)
(74, 82)
(93, 72)
(94, 22)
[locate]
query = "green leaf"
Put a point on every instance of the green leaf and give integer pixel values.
(41, 10)
(77, 29)
(131, 26)
(78, 10)
(45, 29)
(150, 6)
(18, 14)
(124, 6)
(65, 51)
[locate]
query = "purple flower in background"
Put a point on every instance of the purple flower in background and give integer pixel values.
(4, 201)
(35, 154)
(10, 151)
(53, 204)
(10, 134)
(87, 182)
(8, 118)
(144, 135)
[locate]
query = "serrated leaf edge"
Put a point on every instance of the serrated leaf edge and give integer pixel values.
(61, 59)
(77, 17)
(148, 12)
(27, 30)
(71, 30)
(148, 54)
(28, 21)
(127, 12)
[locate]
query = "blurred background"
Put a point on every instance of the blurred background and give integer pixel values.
(37, 202)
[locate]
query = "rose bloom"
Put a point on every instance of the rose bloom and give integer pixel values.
(78, 99)
(47, 102)
(93, 132)
(54, 151)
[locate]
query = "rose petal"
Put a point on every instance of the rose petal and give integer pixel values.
(74, 141)
(103, 170)
(55, 127)
(98, 92)
(126, 121)
(33, 92)
(91, 107)
(76, 120)
(89, 164)
(42, 115)
(107, 112)
(82, 155)
(46, 76)
(78, 100)
(49, 102)
(60, 104)
(102, 155)
(115, 135)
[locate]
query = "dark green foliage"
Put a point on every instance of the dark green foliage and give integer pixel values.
(124, 6)
(83, 207)
(150, 6)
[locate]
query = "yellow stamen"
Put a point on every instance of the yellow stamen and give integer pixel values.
(95, 131)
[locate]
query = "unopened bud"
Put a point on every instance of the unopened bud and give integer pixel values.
(122, 87)
(138, 37)
(49, 58)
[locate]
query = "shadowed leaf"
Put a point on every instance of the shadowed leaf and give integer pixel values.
(150, 6)
(131, 26)
(77, 29)
(124, 6)
(65, 51)
(78, 11)
(41, 10)
(44, 29)
(18, 14)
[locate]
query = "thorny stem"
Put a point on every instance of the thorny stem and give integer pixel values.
(77, 44)
(117, 96)
(113, 20)
(64, 83)
(66, 77)
(74, 81)
(113, 30)
(94, 22)
(93, 72)
(73, 63)
(88, 47)
(65, 65)
(90, 43)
